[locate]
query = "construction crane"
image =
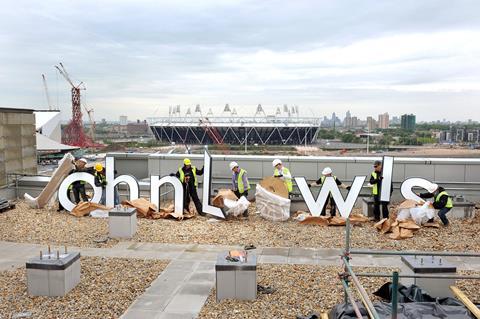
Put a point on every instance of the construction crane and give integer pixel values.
(49, 102)
(74, 134)
(92, 122)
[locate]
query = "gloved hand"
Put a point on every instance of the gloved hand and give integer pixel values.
(309, 185)
(172, 174)
(349, 187)
(279, 176)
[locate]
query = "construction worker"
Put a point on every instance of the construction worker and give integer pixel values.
(327, 171)
(100, 180)
(78, 187)
(188, 176)
(283, 173)
(441, 201)
(376, 180)
(240, 184)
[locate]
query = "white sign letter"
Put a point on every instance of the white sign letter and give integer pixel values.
(155, 184)
(387, 172)
(330, 186)
(112, 182)
(79, 176)
(207, 184)
(408, 184)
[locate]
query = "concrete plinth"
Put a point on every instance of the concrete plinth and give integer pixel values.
(236, 280)
(367, 206)
(461, 210)
(122, 222)
(52, 277)
(430, 265)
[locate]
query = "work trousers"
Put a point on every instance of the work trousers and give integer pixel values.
(191, 194)
(442, 213)
(376, 207)
(79, 192)
(333, 206)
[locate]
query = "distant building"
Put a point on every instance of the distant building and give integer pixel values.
(383, 120)
(371, 123)
(123, 120)
(18, 151)
(408, 122)
(138, 128)
(395, 120)
(347, 122)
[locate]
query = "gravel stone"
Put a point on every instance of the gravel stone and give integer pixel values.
(107, 288)
(24, 224)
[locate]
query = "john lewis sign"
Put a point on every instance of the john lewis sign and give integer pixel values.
(314, 205)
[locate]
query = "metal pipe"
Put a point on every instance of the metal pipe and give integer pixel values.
(394, 294)
(363, 294)
(352, 300)
(411, 253)
(419, 276)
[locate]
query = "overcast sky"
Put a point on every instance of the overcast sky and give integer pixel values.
(138, 57)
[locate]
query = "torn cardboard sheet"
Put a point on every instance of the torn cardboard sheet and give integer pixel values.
(221, 196)
(65, 166)
(143, 206)
(146, 209)
(275, 185)
(307, 219)
(85, 208)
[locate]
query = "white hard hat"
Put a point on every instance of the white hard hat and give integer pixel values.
(83, 160)
(276, 162)
(432, 188)
(233, 165)
(327, 171)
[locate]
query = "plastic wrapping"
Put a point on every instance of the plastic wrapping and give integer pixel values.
(422, 214)
(235, 207)
(271, 206)
(417, 310)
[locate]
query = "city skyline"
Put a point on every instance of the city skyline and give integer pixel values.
(137, 57)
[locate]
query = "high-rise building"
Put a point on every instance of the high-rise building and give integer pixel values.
(383, 120)
(123, 120)
(347, 122)
(408, 122)
(371, 123)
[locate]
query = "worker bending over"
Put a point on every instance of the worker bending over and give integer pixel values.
(240, 184)
(283, 173)
(78, 187)
(441, 201)
(188, 176)
(327, 172)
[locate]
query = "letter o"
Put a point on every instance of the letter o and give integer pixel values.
(62, 191)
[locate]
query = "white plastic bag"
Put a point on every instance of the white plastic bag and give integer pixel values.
(236, 207)
(422, 214)
(271, 206)
(404, 214)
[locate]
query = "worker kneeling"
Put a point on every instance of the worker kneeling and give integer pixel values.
(327, 172)
(441, 201)
(240, 184)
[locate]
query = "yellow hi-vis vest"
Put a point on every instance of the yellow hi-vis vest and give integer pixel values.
(241, 187)
(322, 179)
(375, 186)
(449, 201)
(288, 181)
(182, 175)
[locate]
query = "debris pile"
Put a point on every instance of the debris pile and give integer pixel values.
(406, 220)
(146, 209)
(307, 219)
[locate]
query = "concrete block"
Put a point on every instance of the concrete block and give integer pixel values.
(122, 222)
(236, 280)
(367, 206)
(52, 276)
(429, 265)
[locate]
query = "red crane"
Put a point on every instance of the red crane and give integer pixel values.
(73, 134)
